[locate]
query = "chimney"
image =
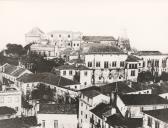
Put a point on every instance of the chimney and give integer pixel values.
(130, 84)
(113, 111)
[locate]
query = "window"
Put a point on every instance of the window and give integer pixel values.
(157, 63)
(139, 64)
(89, 64)
(105, 64)
(74, 44)
(143, 64)
(69, 36)
(70, 73)
(59, 35)
(81, 112)
(85, 73)
(75, 87)
(43, 123)
(149, 121)
(51, 35)
(86, 116)
(97, 64)
(133, 73)
(81, 104)
(114, 64)
(122, 64)
(49, 53)
(157, 124)
(85, 83)
(55, 123)
(77, 44)
(64, 73)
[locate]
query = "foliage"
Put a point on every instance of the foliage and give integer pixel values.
(40, 64)
(43, 93)
(15, 49)
(25, 104)
(145, 77)
(164, 76)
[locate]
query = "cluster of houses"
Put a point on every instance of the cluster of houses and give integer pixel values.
(94, 89)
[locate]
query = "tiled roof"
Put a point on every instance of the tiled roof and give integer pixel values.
(132, 58)
(100, 109)
(8, 69)
(58, 109)
(76, 61)
(18, 72)
(104, 49)
(121, 87)
(143, 99)
(161, 114)
(98, 38)
(149, 53)
(70, 67)
(6, 111)
(18, 122)
(117, 120)
(13, 70)
(48, 78)
(35, 31)
(91, 93)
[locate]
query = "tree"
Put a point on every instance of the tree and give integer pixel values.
(15, 49)
(145, 76)
(164, 76)
(43, 93)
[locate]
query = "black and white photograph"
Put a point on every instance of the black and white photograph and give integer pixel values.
(83, 64)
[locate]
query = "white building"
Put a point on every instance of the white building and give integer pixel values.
(79, 73)
(154, 61)
(47, 50)
(155, 118)
(57, 116)
(133, 105)
(89, 98)
(34, 36)
(11, 98)
(132, 68)
(11, 72)
(65, 39)
(107, 63)
(60, 85)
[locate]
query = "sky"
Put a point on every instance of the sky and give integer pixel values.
(144, 22)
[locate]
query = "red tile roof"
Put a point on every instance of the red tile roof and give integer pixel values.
(48, 78)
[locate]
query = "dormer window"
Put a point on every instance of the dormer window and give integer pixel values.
(69, 36)
(51, 35)
(59, 35)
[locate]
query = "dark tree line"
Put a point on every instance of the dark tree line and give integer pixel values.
(147, 77)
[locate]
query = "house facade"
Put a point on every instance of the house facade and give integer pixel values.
(154, 61)
(108, 66)
(57, 116)
(133, 105)
(88, 99)
(10, 97)
(155, 118)
(60, 85)
(79, 73)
